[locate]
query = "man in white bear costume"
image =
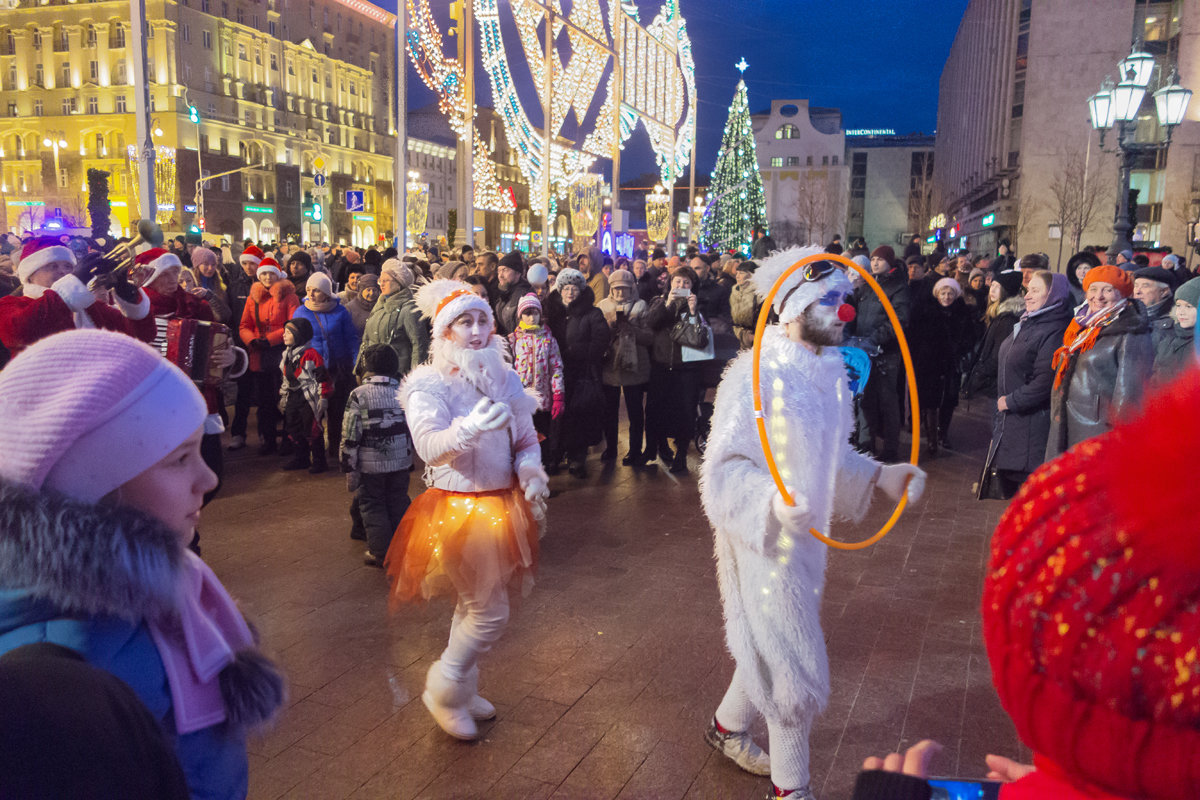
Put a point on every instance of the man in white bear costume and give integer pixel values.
(474, 531)
(771, 570)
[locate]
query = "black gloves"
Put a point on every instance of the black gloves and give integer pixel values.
(93, 265)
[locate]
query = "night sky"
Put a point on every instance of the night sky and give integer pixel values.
(877, 60)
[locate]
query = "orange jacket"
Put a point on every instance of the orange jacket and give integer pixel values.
(264, 316)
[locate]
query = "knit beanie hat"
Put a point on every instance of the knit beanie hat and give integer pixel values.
(381, 359)
(1090, 605)
(40, 251)
(158, 261)
(537, 274)
(321, 282)
(87, 410)
(400, 271)
(514, 260)
(885, 252)
(301, 329)
(269, 264)
(1189, 292)
(528, 302)
(443, 301)
(948, 283)
(621, 277)
(1011, 281)
(251, 253)
(796, 294)
(1119, 279)
(1171, 261)
(572, 276)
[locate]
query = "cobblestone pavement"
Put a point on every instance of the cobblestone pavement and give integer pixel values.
(612, 667)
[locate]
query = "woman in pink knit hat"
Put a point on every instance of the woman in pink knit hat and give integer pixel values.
(101, 485)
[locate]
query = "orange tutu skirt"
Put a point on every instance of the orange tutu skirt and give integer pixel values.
(462, 543)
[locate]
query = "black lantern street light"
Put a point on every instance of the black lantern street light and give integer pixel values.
(1118, 107)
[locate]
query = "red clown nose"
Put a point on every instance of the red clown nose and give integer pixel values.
(846, 312)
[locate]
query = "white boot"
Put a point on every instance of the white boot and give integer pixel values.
(448, 701)
(478, 708)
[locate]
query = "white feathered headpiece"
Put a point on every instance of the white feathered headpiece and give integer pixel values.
(443, 301)
(796, 294)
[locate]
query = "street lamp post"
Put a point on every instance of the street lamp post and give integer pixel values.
(1119, 107)
(56, 141)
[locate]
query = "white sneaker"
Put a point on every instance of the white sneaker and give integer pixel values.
(739, 748)
(478, 708)
(448, 702)
(237, 442)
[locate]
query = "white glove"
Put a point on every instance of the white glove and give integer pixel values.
(792, 519)
(892, 478)
(485, 416)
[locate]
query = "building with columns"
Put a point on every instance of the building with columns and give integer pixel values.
(284, 90)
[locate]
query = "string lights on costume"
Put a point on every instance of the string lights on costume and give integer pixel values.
(658, 214)
(737, 203)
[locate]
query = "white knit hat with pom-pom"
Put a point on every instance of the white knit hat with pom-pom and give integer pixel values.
(443, 301)
(796, 294)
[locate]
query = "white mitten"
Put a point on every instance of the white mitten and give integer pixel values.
(793, 518)
(536, 486)
(892, 478)
(485, 416)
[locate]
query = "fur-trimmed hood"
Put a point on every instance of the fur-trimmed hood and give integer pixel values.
(87, 559)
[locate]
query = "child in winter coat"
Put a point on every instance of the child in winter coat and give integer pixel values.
(537, 359)
(377, 450)
(101, 485)
(303, 396)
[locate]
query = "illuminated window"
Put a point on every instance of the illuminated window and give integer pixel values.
(93, 105)
(37, 108)
(119, 104)
(777, 161)
(787, 131)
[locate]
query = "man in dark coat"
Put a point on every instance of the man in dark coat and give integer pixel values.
(881, 398)
(712, 294)
(511, 286)
(1154, 287)
(763, 245)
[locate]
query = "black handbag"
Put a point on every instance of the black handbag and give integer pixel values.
(690, 334)
(989, 486)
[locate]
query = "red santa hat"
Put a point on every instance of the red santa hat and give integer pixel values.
(444, 301)
(267, 264)
(1091, 605)
(797, 293)
(40, 251)
(251, 253)
(158, 261)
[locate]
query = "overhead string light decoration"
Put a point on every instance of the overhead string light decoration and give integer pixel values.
(443, 75)
(488, 194)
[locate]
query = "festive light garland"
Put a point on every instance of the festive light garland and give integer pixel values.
(416, 212)
(165, 173)
(583, 198)
(488, 194)
(658, 214)
(423, 40)
(737, 203)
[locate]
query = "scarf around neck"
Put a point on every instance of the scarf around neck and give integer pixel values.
(1081, 336)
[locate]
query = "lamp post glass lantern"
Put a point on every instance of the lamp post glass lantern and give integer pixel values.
(1118, 107)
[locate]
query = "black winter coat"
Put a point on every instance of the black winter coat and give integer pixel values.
(872, 321)
(1173, 353)
(1104, 383)
(238, 289)
(584, 343)
(939, 336)
(982, 379)
(712, 296)
(1026, 375)
(506, 306)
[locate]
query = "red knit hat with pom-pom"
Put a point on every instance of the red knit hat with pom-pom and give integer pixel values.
(1091, 605)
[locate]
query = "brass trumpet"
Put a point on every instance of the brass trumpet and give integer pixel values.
(148, 232)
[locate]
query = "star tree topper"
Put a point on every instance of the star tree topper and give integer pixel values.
(741, 66)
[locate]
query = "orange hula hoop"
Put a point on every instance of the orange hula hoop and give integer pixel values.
(760, 419)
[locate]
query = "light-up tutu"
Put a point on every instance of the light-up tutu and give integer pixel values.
(449, 542)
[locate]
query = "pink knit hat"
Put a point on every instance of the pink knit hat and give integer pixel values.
(527, 302)
(87, 410)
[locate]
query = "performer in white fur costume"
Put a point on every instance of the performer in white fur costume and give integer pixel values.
(475, 529)
(771, 570)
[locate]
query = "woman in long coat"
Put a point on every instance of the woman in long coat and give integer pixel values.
(1026, 374)
(942, 332)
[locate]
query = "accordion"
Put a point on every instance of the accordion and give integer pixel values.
(190, 346)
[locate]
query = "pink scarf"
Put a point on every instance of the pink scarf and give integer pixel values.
(198, 644)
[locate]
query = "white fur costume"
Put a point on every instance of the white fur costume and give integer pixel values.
(772, 580)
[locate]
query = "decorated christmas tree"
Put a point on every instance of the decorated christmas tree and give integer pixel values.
(736, 203)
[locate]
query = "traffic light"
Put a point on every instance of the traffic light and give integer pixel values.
(193, 115)
(316, 215)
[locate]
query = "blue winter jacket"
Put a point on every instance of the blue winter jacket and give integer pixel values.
(334, 335)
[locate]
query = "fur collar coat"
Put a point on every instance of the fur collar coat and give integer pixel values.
(771, 580)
